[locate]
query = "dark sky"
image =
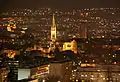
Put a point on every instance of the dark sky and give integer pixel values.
(62, 4)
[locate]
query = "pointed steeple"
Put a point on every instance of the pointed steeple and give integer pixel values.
(53, 29)
(53, 20)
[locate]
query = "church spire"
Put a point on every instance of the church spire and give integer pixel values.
(53, 29)
(53, 20)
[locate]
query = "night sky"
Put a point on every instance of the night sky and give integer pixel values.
(62, 4)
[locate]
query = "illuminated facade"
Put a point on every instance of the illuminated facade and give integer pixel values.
(11, 53)
(98, 73)
(70, 46)
(11, 28)
(33, 72)
(53, 29)
(3, 74)
(53, 33)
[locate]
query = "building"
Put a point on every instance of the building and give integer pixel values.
(70, 46)
(61, 69)
(83, 32)
(3, 74)
(11, 53)
(53, 33)
(53, 29)
(98, 73)
(13, 73)
(33, 72)
(11, 27)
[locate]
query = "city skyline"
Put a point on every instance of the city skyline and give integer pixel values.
(60, 41)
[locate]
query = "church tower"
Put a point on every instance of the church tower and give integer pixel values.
(53, 29)
(53, 34)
